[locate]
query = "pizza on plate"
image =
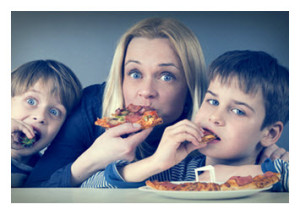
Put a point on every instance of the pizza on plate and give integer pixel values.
(234, 183)
(144, 115)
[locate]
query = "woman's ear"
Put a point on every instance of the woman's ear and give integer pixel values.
(271, 134)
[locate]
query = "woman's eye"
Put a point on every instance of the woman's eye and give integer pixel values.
(54, 112)
(238, 112)
(31, 101)
(167, 76)
(213, 102)
(135, 74)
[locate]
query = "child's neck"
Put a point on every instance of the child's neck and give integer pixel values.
(232, 162)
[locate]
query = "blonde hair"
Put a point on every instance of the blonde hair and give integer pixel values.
(63, 81)
(186, 45)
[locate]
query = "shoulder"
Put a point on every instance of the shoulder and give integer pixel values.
(91, 101)
(93, 93)
(95, 89)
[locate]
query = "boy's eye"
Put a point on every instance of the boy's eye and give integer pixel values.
(167, 76)
(238, 112)
(54, 111)
(213, 102)
(135, 74)
(31, 101)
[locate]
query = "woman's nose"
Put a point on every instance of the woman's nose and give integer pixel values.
(147, 90)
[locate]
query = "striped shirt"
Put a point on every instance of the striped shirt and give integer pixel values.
(183, 171)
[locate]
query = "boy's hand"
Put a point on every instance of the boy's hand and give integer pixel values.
(177, 142)
(18, 127)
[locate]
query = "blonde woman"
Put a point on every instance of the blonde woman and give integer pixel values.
(158, 62)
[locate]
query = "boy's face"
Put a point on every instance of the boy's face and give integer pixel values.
(235, 117)
(42, 111)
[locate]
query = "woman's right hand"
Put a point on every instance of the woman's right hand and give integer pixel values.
(117, 147)
(109, 147)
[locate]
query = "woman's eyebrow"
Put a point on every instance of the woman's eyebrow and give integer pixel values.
(168, 64)
(132, 61)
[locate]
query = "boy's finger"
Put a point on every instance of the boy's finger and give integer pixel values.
(24, 128)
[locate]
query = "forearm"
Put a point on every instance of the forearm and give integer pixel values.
(84, 167)
(140, 170)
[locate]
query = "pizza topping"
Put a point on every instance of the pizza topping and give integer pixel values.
(242, 180)
(209, 136)
(25, 141)
(234, 183)
(133, 117)
(144, 115)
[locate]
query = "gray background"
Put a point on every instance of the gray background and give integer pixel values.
(85, 41)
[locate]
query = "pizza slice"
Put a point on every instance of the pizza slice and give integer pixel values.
(234, 183)
(208, 136)
(20, 139)
(247, 182)
(144, 115)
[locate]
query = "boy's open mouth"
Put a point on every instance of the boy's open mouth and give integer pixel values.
(209, 132)
(26, 142)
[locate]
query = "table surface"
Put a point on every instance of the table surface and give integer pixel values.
(89, 195)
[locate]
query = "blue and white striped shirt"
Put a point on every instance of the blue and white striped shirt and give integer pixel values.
(183, 171)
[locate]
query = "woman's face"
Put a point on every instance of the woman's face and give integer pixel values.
(153, 76)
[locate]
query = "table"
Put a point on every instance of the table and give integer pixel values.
(90, 195)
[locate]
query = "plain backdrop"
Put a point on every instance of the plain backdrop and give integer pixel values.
(85, 41)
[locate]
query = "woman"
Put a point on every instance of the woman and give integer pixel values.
(158, 62)
(166, 59)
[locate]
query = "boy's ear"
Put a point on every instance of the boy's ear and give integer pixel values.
(271, 134)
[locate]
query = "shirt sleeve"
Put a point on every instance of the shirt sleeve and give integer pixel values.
(110, 178)
(281, 167)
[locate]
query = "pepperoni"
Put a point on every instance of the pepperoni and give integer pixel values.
(134, 108)
(133, 117)
(242, 180)
(168, 185)
(268, 174)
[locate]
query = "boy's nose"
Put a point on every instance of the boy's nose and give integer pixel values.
(216, 119)
(40, 117)
(42, 121)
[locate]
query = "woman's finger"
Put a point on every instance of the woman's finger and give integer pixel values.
(126, 128)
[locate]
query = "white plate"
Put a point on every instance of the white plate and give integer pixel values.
(204, 194)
